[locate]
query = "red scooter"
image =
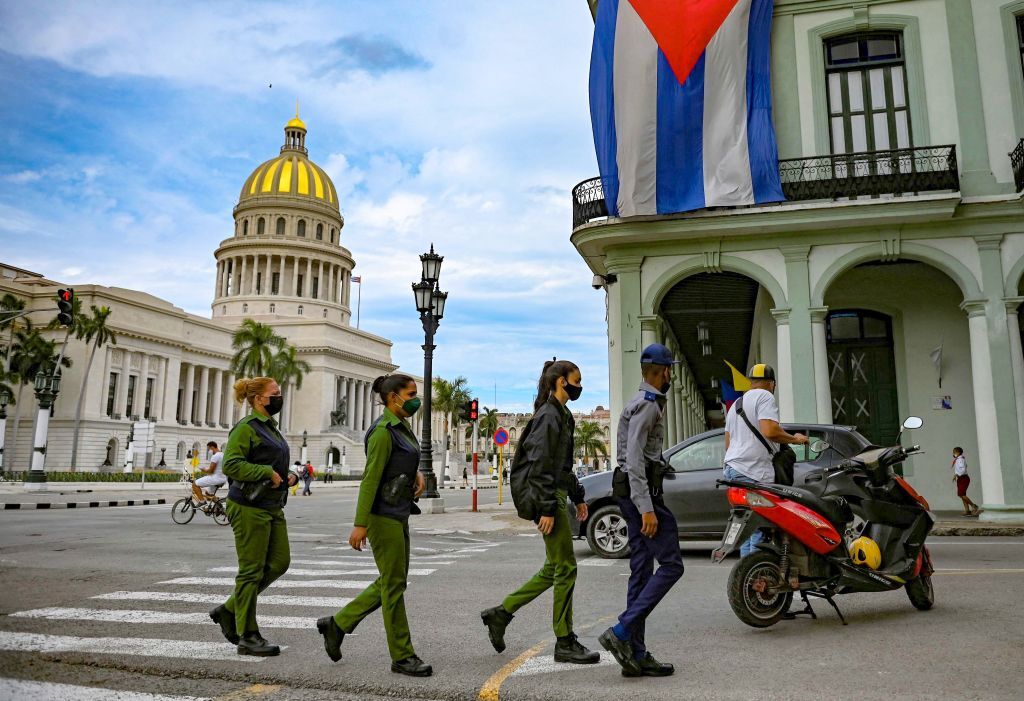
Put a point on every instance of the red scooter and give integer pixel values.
(857, 527)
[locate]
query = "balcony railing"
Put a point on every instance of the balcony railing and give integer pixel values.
(861, 174)
(1017, 162)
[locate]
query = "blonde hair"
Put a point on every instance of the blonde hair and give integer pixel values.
(248, 388)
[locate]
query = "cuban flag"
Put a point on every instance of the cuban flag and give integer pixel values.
(680, 99)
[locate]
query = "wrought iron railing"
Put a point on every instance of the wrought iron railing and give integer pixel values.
(861, 174)
(1017, 162)
(870, 173)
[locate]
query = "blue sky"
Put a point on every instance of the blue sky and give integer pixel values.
(129, 128)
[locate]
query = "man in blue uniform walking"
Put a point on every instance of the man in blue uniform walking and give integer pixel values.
(652, 529)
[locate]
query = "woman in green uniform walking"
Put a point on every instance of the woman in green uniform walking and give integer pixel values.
(545, 453)
(256, 463)
(390, 482)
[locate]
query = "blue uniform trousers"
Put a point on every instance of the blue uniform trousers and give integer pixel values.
(648, 587)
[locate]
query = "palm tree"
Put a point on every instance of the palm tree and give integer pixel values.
(31, 354)
(255, 345)
(286, 367)
(448, 395)
(9, 307)
(488, 423)
(589, 440)
(93, 330)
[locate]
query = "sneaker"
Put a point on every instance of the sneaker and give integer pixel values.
(650, 667)
(622, 651)
(413, 667)
(333, 636)
(569, 649)
(496, 619)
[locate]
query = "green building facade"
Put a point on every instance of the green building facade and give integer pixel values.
(890, 281)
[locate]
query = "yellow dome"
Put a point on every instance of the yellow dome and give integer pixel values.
(295, 122)
(291, 174)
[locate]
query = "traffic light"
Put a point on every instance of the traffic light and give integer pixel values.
(65, 307)
(470, 410)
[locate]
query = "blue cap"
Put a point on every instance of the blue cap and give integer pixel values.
(657, 354)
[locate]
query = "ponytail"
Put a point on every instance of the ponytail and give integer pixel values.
(385, 385)
(553, 369)
(247, 388)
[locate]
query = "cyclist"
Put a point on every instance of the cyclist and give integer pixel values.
(213, 475)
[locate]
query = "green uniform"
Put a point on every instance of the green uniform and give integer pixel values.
(545, 453)
(391, 451)
(256, 450)
(559, 571)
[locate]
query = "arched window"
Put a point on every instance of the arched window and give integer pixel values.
(245, 228)
(280, 226)
(261, 226)
(245, 308)
(300, 310)
(319, 232)
(179, 454)
(332, 234)
(273, 307)
(302, 227)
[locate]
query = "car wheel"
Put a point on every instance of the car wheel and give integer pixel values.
(606, 533)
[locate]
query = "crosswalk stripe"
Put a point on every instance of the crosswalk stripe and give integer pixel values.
(343, 563)
(264, 599)
(58, 613)
(146, 647)
(415, 556)
(22, 689)
(299, 572)
(281, 583)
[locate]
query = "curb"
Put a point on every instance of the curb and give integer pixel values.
(986, 531)
(82, 504)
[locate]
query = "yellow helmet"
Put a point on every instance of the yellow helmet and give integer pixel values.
(864, 551)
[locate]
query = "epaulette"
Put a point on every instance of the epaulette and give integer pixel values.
(650, 396)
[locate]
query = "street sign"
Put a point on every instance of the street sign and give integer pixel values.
(501, 437)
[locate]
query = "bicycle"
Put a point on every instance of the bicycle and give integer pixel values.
(184, 509)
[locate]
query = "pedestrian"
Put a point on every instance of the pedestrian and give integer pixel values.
(307, 479)
(465, 477)
(650, 527)
(256, 463)
(297, 470)
(752, 439)
(213, 475)
(544, 458)
(329, 475)
(963, 481)
(391, 481)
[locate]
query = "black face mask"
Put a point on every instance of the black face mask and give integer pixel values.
(664, 387)
(574, 391)
(274, 404)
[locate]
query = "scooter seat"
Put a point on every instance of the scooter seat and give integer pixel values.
(835, 509)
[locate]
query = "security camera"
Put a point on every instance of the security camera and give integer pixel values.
(598, 282)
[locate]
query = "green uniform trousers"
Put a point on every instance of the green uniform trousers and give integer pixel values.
(559, 570)
(389, 540)
(261, 541)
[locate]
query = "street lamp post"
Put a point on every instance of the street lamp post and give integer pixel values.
(5, 399)
(305, 437)
(430, 301)
(46, 386)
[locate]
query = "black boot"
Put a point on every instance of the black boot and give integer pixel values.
(497, 620)
(226, 620)
(650, 667)
(412, 666)
(568, 649)
(255, 644)
(622, 651)
(333, 636)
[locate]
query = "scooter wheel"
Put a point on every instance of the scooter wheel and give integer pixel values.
(753, 607)
(921, 592)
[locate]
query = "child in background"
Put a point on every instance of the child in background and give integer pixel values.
(963, 480)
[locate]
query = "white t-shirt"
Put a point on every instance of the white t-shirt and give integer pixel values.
(960, 466)
(746, 453)
(217, 459)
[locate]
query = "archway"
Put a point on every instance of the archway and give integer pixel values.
(110, 458)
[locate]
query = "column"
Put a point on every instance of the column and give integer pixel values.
(329, 284)
(800, 358)
(345, 287)
(367, 406)
(186, 402)
(1017, 359)
(204, 388)
(295, 276)
(989, 463)
(237, 271)
(784, 383)
(142, 386)
(337, 284)
(357, 417)
(350, 393)
(624, 306)
(121, 406)
(269, 275)
(320, 281)
(219, 284)
(106, 380)
(669, 420)
(228, 408)
(218, 389)
(157, 407)
(171, 383)
(241, 288)
(822, 375)
(309, 278)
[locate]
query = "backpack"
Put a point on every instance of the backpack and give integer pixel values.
(524, 495)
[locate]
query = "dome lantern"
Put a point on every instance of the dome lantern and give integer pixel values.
(295, 133)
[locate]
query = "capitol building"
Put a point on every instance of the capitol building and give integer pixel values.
(284, 265)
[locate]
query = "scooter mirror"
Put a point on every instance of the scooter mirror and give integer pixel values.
(819, 446)
(913, 422)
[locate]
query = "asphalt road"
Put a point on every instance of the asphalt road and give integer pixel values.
(116, 600)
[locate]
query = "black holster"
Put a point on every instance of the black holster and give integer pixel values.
(397, 491)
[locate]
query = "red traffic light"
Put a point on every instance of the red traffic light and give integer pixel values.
(66, 295)
(474, 410)
(65, 306)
